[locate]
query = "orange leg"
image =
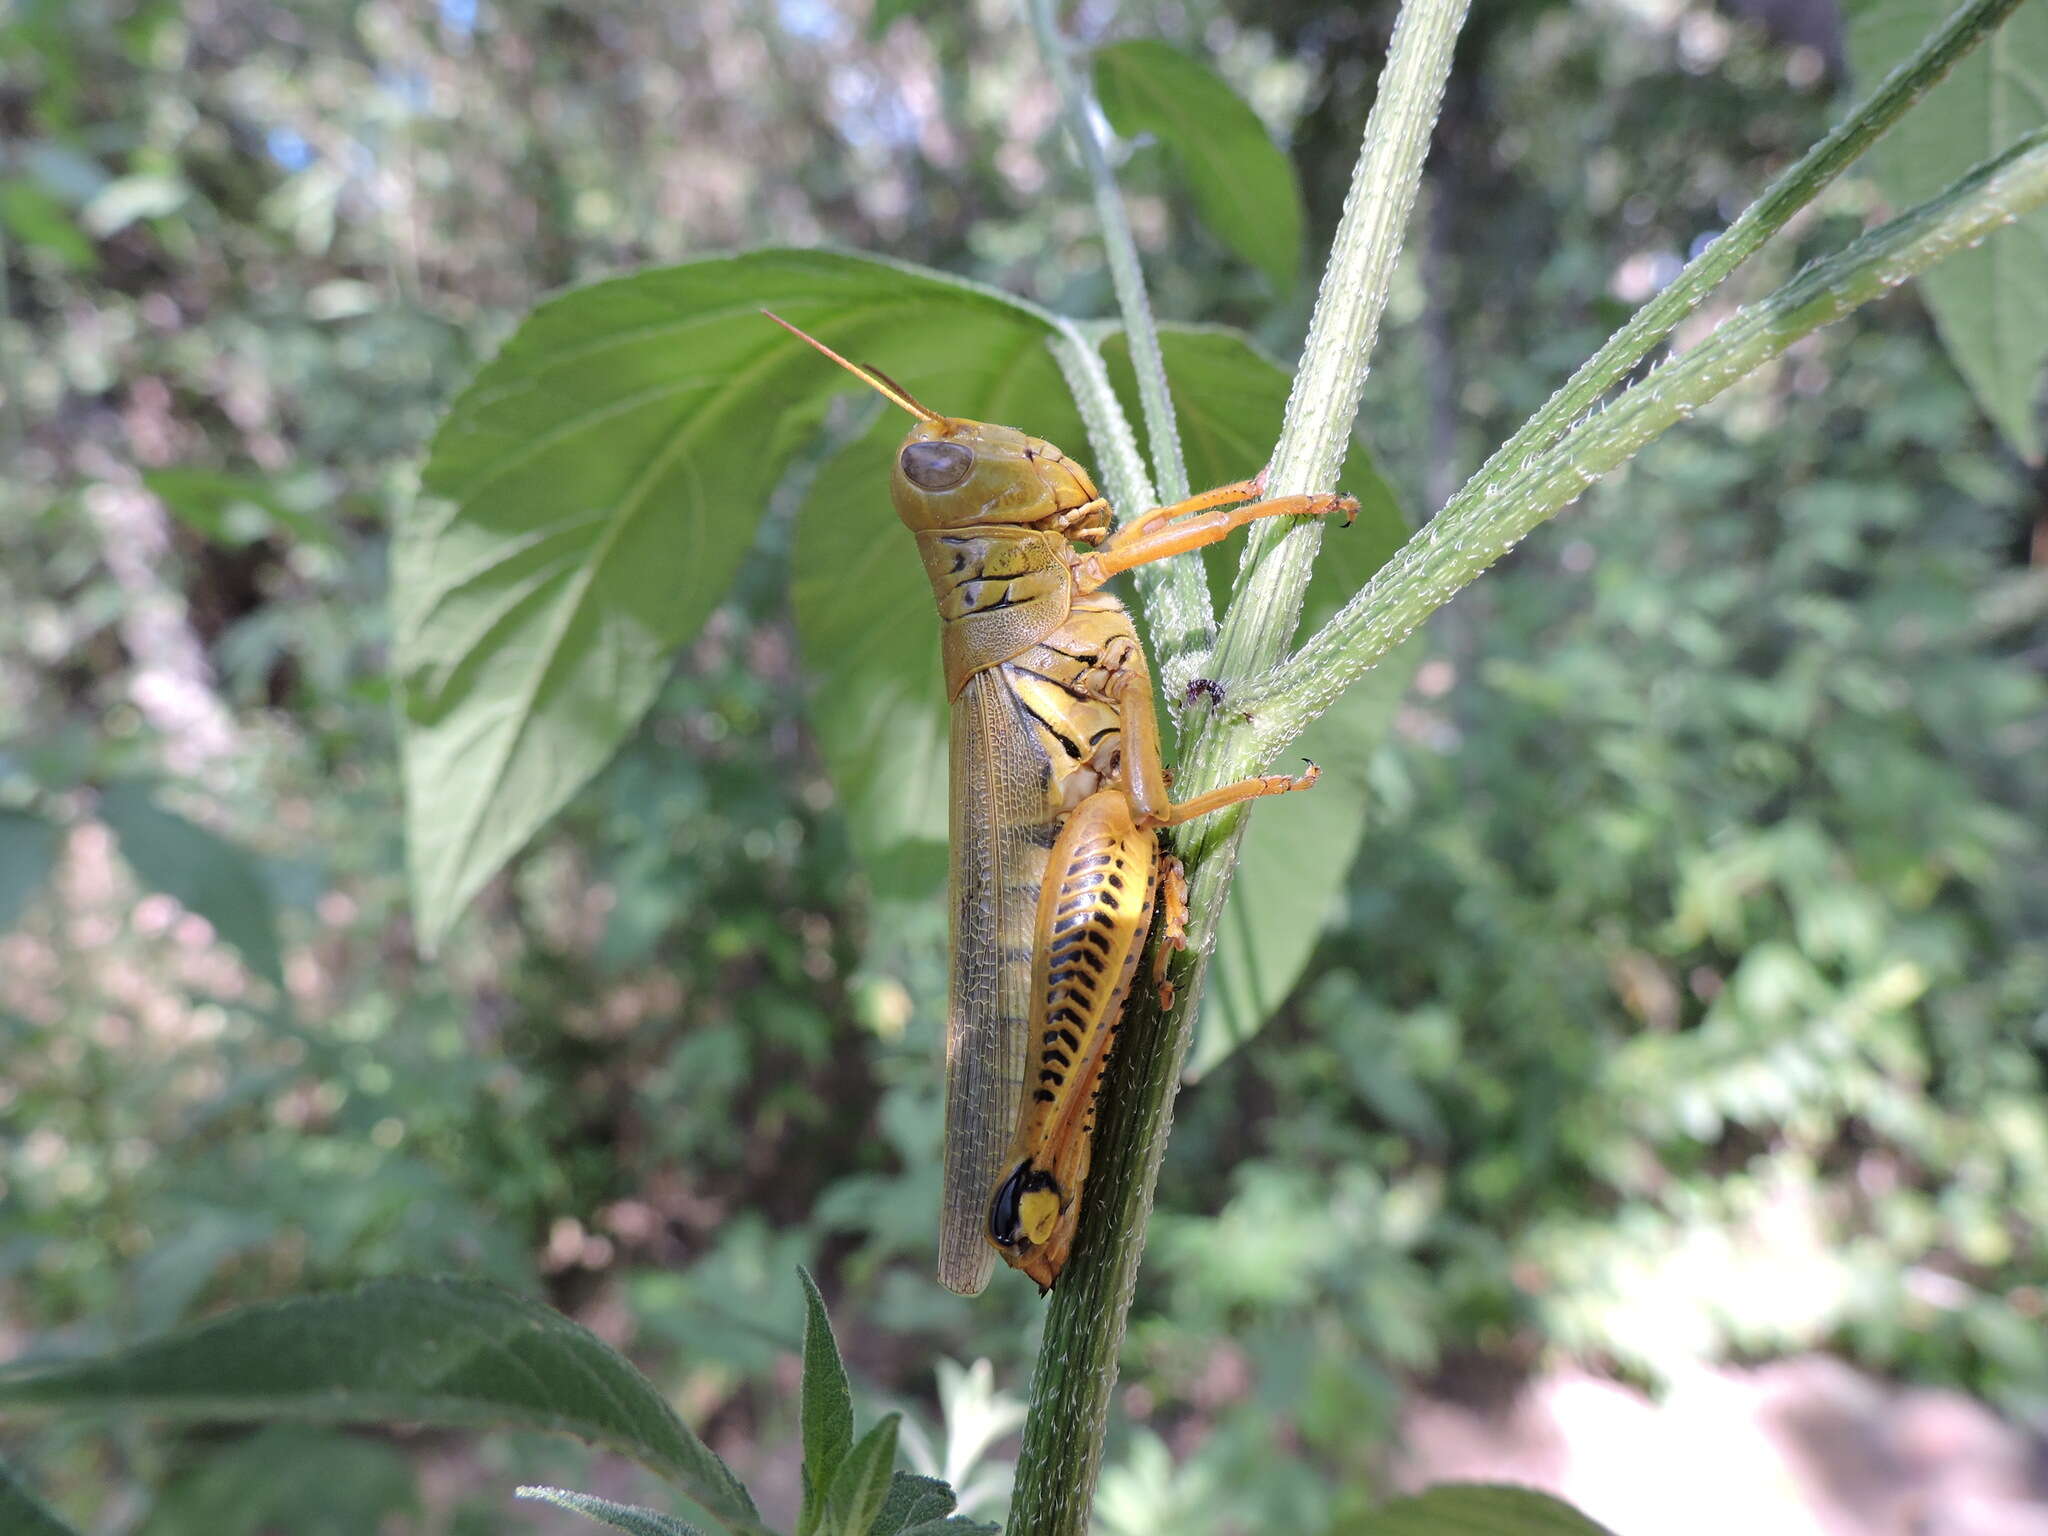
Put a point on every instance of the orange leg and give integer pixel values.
(1222, 496)
(1231, 794)
(1156, 536)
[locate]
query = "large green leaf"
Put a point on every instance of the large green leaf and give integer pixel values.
(1299, 847)
(1990, 304)
(589, 497)
(1473, 1509)
(23, 1514)
(1243, 186)
(28, 847)
(453, 1352)
(206, 873)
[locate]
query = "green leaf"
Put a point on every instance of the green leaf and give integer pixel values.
(340, 1485)
(1243, 186)
(1990, 304)
(912, 1500)
(862, 1481)
(590, 496)
(622, 1517)
(442, 1352)
(35, 218)
(22, 1513)
(1473, 1509)
(206, 873)
(883, 14)
(1300, 847)
(955, 1525)
(28, 848)
(826, 1408)
(228, 509)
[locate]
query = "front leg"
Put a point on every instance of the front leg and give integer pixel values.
(1171, 531)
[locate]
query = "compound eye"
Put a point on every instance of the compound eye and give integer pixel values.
(937, 466)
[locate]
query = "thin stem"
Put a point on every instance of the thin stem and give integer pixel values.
(1077, 1363)
(1265, 603)
(1122, 467)
(1476, 530)
(1793, 190)
(1169, 472)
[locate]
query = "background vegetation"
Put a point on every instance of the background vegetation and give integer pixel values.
(1686, 1004)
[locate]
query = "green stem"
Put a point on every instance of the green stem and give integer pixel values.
(1476, 530)
(1077, 1362)
(1793, 190)
(1122, 467)
(1176, 597)
(1265, 603)
(1168, 470)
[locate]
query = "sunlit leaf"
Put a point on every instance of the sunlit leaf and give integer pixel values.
(1990, 304)
(205, 872)
(1243, 186)
(589, 498)
(445, 1352)
(1473, 1510)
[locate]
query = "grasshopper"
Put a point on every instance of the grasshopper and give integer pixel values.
(1057, 797)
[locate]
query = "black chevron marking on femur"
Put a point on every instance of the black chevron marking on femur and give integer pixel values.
(1050, 1076)
(1044, 1097)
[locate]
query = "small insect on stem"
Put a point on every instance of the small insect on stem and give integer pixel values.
(1057, 797)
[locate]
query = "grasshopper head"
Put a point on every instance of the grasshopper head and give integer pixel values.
(955, 473)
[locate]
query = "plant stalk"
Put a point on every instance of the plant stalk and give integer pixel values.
(1176, 597)
(1078, 1360)
(1797, 186)
(1477, 529)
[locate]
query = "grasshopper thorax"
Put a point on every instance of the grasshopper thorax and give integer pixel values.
(955, 473)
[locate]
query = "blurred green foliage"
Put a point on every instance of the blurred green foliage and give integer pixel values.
(1688, 1000)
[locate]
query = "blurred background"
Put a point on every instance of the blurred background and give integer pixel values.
(1661, 1119)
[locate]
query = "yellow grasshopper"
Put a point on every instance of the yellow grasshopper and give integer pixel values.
(1057, 795)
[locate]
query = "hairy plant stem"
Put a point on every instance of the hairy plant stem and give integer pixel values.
(1476, 529)
(1077, 1362)
(1797, 186)
(1176, 597)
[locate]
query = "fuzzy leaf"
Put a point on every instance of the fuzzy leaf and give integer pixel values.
(826, 1408)
(620, 1517)
(444, 1352)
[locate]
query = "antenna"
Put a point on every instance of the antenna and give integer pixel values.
(874, 378)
